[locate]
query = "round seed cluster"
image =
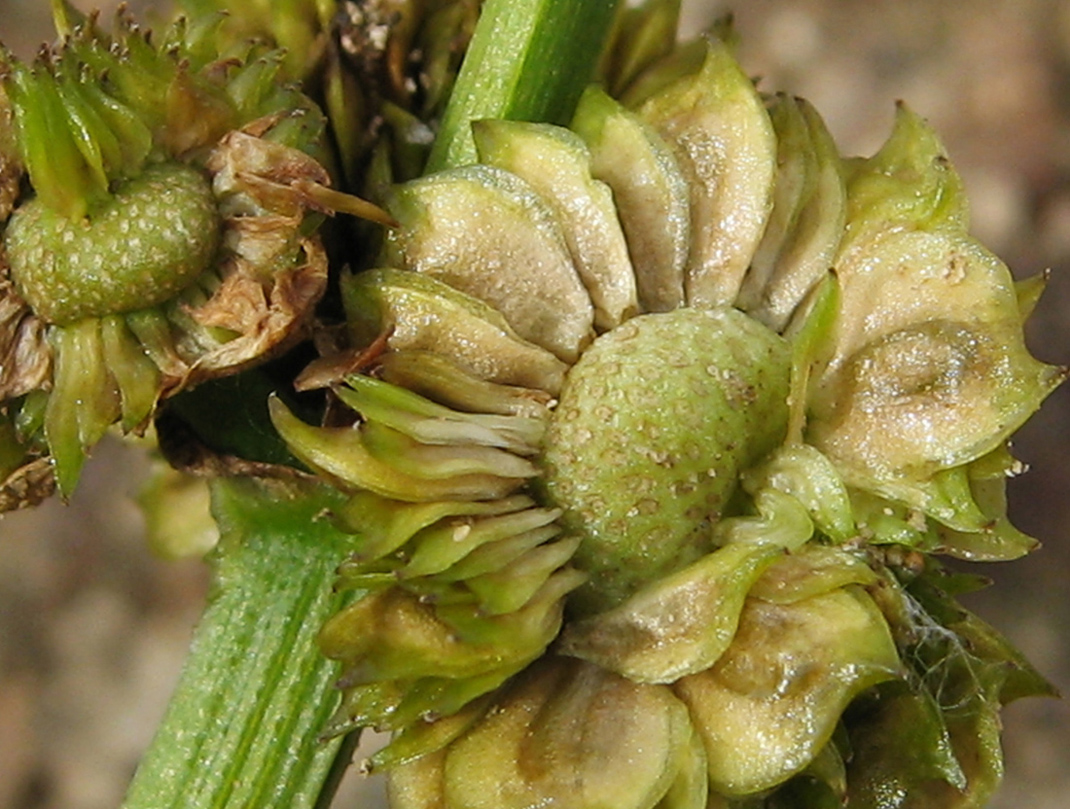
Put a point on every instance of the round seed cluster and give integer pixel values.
(145, 244)
(654, 424)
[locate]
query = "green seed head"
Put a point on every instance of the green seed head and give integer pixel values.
(145, 244)
(649, 439)
(654, 424)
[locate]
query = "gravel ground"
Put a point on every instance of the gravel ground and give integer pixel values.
(93, 628)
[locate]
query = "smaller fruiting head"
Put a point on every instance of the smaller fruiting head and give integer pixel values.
(166, 234)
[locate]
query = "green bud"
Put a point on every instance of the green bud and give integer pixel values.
(118, 286)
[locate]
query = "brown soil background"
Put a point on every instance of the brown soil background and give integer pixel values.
(93, 628)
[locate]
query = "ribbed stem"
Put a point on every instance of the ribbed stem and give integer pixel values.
(243, 728)
(528, 61)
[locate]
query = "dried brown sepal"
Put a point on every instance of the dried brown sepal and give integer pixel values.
(272, 276)
(25, 354)
(27, 486)
(269, 315)
(333, 368)
(257, 175)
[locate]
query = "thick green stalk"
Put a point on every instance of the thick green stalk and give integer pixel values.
(243, 728)
(528, 61)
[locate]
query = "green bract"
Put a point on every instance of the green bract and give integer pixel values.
(617, 416)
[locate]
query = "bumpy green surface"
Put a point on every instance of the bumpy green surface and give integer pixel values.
(147, 243)
(655, 422)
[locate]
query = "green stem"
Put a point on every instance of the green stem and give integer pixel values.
(528, 61)
(243, 728)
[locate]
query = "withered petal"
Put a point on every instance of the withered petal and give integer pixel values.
(30, 484)
(262, 239)
(254, 172)
(269, 321)
(25, 354)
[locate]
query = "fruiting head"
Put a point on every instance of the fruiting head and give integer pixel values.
(707, 470)
(166, 235)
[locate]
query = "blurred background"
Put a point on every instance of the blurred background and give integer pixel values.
(93, 627)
